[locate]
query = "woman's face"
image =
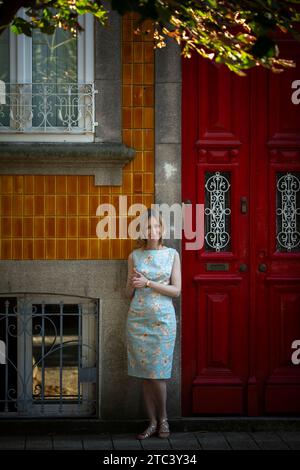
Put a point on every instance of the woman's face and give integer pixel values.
(152, 230)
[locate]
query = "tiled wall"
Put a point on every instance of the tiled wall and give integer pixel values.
(54, 217)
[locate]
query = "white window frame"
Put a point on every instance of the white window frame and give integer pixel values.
(21, 72)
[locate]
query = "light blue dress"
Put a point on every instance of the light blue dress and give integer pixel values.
(151, 320)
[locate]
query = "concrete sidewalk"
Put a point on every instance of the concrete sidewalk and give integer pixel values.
(191, 440)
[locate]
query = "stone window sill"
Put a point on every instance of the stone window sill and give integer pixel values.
(103, 160)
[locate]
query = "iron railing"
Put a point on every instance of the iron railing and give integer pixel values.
(67, 108)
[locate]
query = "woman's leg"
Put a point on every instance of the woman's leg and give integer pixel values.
(149, 400)
(159, 388)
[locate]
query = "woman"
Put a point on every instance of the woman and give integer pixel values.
(154, 277)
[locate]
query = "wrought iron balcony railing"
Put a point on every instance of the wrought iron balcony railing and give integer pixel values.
(65, 108)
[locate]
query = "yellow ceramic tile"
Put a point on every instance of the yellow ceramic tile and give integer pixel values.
(127, 95)
(83, 249)
(50, 248)
(72, 205)
(148, 118)
(61, 248)
(39, 227)
(7, 184)
(83, 184)
(18, 184)
(72, 184)
(17, 227)
(148, 73)
(61, 184)
(138, 182)
(148, 182)
(137, 76)
(50, 184)
(28, 248)
(127, 74)
(127, 118)
(28, 205)
(138, 52)
(39, 205)
(72, 248)
(138, 162)
(94, 249)
(50, 205)
(127, 52)
(17, 205)
(17, 248)
(61, 227)
(138, 92)
(93, 221)
(137, 139)
(6, 248)
(83, 227)
(83, 205)
(61, 205)
(28, 184)
(27, 227)
(6, 227)
(39, 249)
(50, 223)
(137, 118)
(39, 184)
(72, 227)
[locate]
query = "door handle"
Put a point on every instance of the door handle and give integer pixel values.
(243, 267)
(244, 205)
(262, 267)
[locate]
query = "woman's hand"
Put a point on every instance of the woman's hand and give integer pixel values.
(138, 279)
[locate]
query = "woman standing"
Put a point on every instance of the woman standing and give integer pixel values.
(154, 277)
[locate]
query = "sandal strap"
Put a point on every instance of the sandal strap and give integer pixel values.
(150, 430)
(164, 425)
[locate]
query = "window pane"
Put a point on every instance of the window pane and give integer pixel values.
(54, 62)
(4, 76)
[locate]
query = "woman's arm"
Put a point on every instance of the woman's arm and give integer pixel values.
(173, 289)
(129, 290)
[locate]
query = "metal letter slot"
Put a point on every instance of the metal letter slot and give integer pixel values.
(217, 266)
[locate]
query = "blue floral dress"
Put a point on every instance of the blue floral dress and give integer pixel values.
(151, 320)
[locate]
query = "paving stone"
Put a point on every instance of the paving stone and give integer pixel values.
(100, 442)
(240, 441)
(212, 441)
(268, 441)
(12, 442)
(291, 438)
(156, 443)
(39, 443)
(125, 442)
(184, 441)
(67, 443)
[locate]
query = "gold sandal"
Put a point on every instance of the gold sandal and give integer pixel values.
(150, 431)
(163, 428)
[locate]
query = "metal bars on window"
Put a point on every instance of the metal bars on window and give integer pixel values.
(50, 362)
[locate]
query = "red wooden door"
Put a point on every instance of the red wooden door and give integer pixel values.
(240, 298)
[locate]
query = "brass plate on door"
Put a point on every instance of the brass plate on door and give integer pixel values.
(217, 266)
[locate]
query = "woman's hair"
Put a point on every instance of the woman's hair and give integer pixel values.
(144, 220)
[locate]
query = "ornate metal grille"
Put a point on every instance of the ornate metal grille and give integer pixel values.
(217, 211)
(49, 356)
(288, 212)
(48, 108)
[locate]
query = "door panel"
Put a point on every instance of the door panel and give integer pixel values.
(241, 144)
